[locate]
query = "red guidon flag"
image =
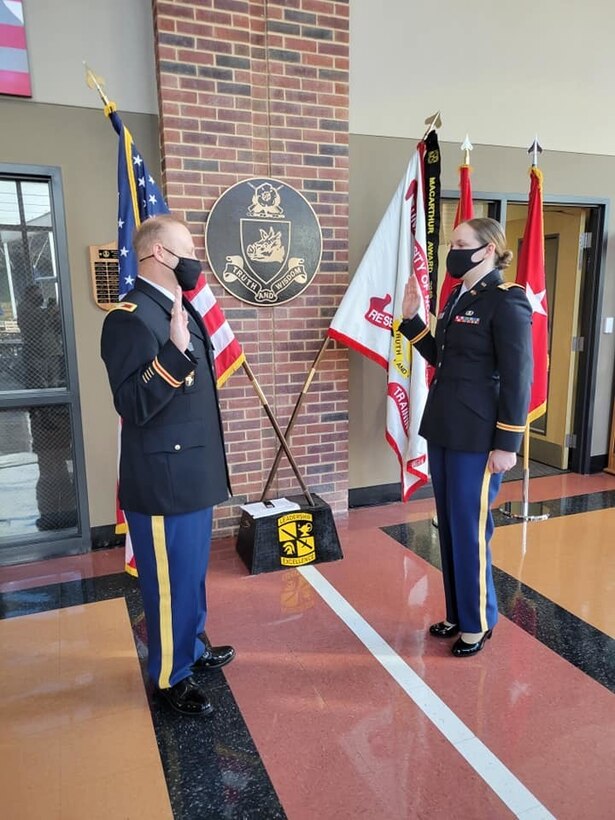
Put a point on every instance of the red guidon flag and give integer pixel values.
(369, 315)
(465, 211)
(531, 275)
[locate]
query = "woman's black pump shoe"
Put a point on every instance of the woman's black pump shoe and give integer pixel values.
(461, 649)
(443, 630)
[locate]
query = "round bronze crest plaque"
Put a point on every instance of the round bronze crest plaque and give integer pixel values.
(263, 241)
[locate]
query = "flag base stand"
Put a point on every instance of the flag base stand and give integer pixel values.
(522, 511)
(291, 538)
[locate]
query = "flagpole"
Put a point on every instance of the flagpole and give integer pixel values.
(534, 149)
(510, 508)
(526, 471)
(432, 122)
(278, 432)
(97, 82)
(295, 413)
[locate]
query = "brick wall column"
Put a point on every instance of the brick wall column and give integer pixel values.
(250, 88)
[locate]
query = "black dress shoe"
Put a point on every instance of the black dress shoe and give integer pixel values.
(214, 657)
(187, 698)
(442, 630)
(461, 649)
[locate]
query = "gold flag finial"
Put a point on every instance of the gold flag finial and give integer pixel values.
(432, 123)
(94, 81)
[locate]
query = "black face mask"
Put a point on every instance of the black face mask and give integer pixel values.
(187, 270)
(459, 260)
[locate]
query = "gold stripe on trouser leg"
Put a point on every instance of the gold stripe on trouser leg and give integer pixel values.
(482, 550)
(164, 592)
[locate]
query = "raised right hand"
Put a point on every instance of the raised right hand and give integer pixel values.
(179, 333)
(412, 298)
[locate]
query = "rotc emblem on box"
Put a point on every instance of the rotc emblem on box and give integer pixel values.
(263, 241)
(296, 537)
(291, 539)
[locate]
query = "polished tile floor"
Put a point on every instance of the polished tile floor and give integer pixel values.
(338, 704)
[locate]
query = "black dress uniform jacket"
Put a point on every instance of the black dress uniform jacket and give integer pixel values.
(482, 353)
(172, 455)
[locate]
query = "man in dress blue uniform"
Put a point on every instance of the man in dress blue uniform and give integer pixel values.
(173, 467)
(474, 416)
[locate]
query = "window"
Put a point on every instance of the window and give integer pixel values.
(43, 508)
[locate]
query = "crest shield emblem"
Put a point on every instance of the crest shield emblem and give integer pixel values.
(265, 246)
(263, 241)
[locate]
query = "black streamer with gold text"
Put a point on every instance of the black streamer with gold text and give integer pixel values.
(431, 175)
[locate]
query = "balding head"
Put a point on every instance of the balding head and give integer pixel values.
(156, 229)
(159, 243)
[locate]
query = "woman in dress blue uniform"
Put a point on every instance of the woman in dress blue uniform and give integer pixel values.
(173, 468)
(474, 417)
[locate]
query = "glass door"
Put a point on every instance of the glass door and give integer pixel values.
(43, 506)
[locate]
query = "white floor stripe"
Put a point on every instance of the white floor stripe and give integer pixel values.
(496, 775)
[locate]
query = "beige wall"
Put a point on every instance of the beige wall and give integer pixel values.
(547, 91)
(84, 145)
(501, 71)
(115, 37)
(376, 166)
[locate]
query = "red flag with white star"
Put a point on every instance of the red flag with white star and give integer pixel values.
(531, 275)
(465, 211)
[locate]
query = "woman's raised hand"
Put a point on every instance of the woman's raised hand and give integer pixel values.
(412, 298)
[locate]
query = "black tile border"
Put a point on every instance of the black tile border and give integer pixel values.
(211, 765)
(379, 494)
(105, 536)
(598, 463)
(383, 494)
(570, 505)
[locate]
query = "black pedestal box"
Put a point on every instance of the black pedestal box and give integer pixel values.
(289, 539)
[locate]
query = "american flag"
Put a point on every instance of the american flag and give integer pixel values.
(139, 199)
(14, 70)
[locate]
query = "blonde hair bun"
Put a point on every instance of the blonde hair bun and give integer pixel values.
(505, 259)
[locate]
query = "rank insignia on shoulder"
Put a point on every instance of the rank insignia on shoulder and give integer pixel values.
(509, 285)
(128, 306)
